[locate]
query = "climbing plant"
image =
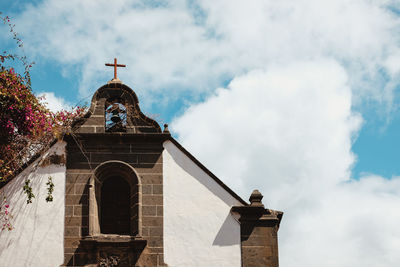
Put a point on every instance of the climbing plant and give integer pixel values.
(27, 126)
(50, 189)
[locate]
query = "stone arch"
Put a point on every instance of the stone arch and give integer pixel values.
(104, 172)
(94, 120)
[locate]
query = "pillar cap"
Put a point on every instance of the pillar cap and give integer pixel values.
(255, 199)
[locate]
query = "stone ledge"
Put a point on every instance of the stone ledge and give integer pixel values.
(115, 240)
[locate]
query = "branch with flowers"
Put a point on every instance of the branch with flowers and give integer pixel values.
(27, 127)
(5, 215)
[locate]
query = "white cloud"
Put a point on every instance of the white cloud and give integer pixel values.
(53, 102)
(195, 46)
(284, 124)
(289, 111)
(288, 132)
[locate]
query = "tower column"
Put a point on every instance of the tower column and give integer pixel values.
(258, 233)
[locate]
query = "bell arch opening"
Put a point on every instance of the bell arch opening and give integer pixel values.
(115, 115)
(114, 202)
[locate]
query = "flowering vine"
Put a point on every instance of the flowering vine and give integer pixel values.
(28, 191)
(27, 127)
(5, 215)
(50, 189)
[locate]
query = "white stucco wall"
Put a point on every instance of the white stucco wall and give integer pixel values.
(198, 227)
(38, 235)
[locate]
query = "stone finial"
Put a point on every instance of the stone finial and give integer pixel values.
(255, 198)
(166, 128)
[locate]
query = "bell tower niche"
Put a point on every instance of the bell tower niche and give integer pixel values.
(115, 116)
(115, 108)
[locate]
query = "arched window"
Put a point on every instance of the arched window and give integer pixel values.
(114, 200)
(115, 206)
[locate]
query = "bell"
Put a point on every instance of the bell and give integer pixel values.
(115, 116)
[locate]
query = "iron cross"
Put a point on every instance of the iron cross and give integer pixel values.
(115, 67)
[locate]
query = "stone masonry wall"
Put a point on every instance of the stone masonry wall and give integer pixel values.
(144, 155)
(259, 243)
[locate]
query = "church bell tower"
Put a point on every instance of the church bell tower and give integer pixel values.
(114, 185)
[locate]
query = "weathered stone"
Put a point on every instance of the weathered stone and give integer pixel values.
(152, 200)
(160, 210)
(156, 231)
(149, 210)
(72, 231)
(151, 179)
(69, 210)
(157, 189)
(76, 199)
(147, 189)
(152, 221)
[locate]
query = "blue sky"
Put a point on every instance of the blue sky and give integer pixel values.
(376, 145)
(301, 97)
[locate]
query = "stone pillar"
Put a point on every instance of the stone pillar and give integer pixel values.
(258, 231)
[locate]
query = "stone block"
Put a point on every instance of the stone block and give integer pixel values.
(151, 178)
(146, 148)
(72, 231)
(155, 250)
(81, 210)
(155, 242)
(102, 157)
(157, 189)
(149, 210)
(156, 231)
(153, 259)
(69, 188)
(150, 158)
(160, 210)
(86, 129)
(76, 221)
(77, 156)
(77, 178)
(78, 171)
(100, 129)
(81, 189)
(71, 242)
(80, 165)
(152, 200)
(255, 256)
(113, 148)
(94, 120)
(99, 110)
(160, 259)
(147, 189)
(148, 168)
(152, 221)
(68, 259)
(256, 241)
(76, 200)
(69, 210)
(249, 229)
(145, 231)
(258, 257)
